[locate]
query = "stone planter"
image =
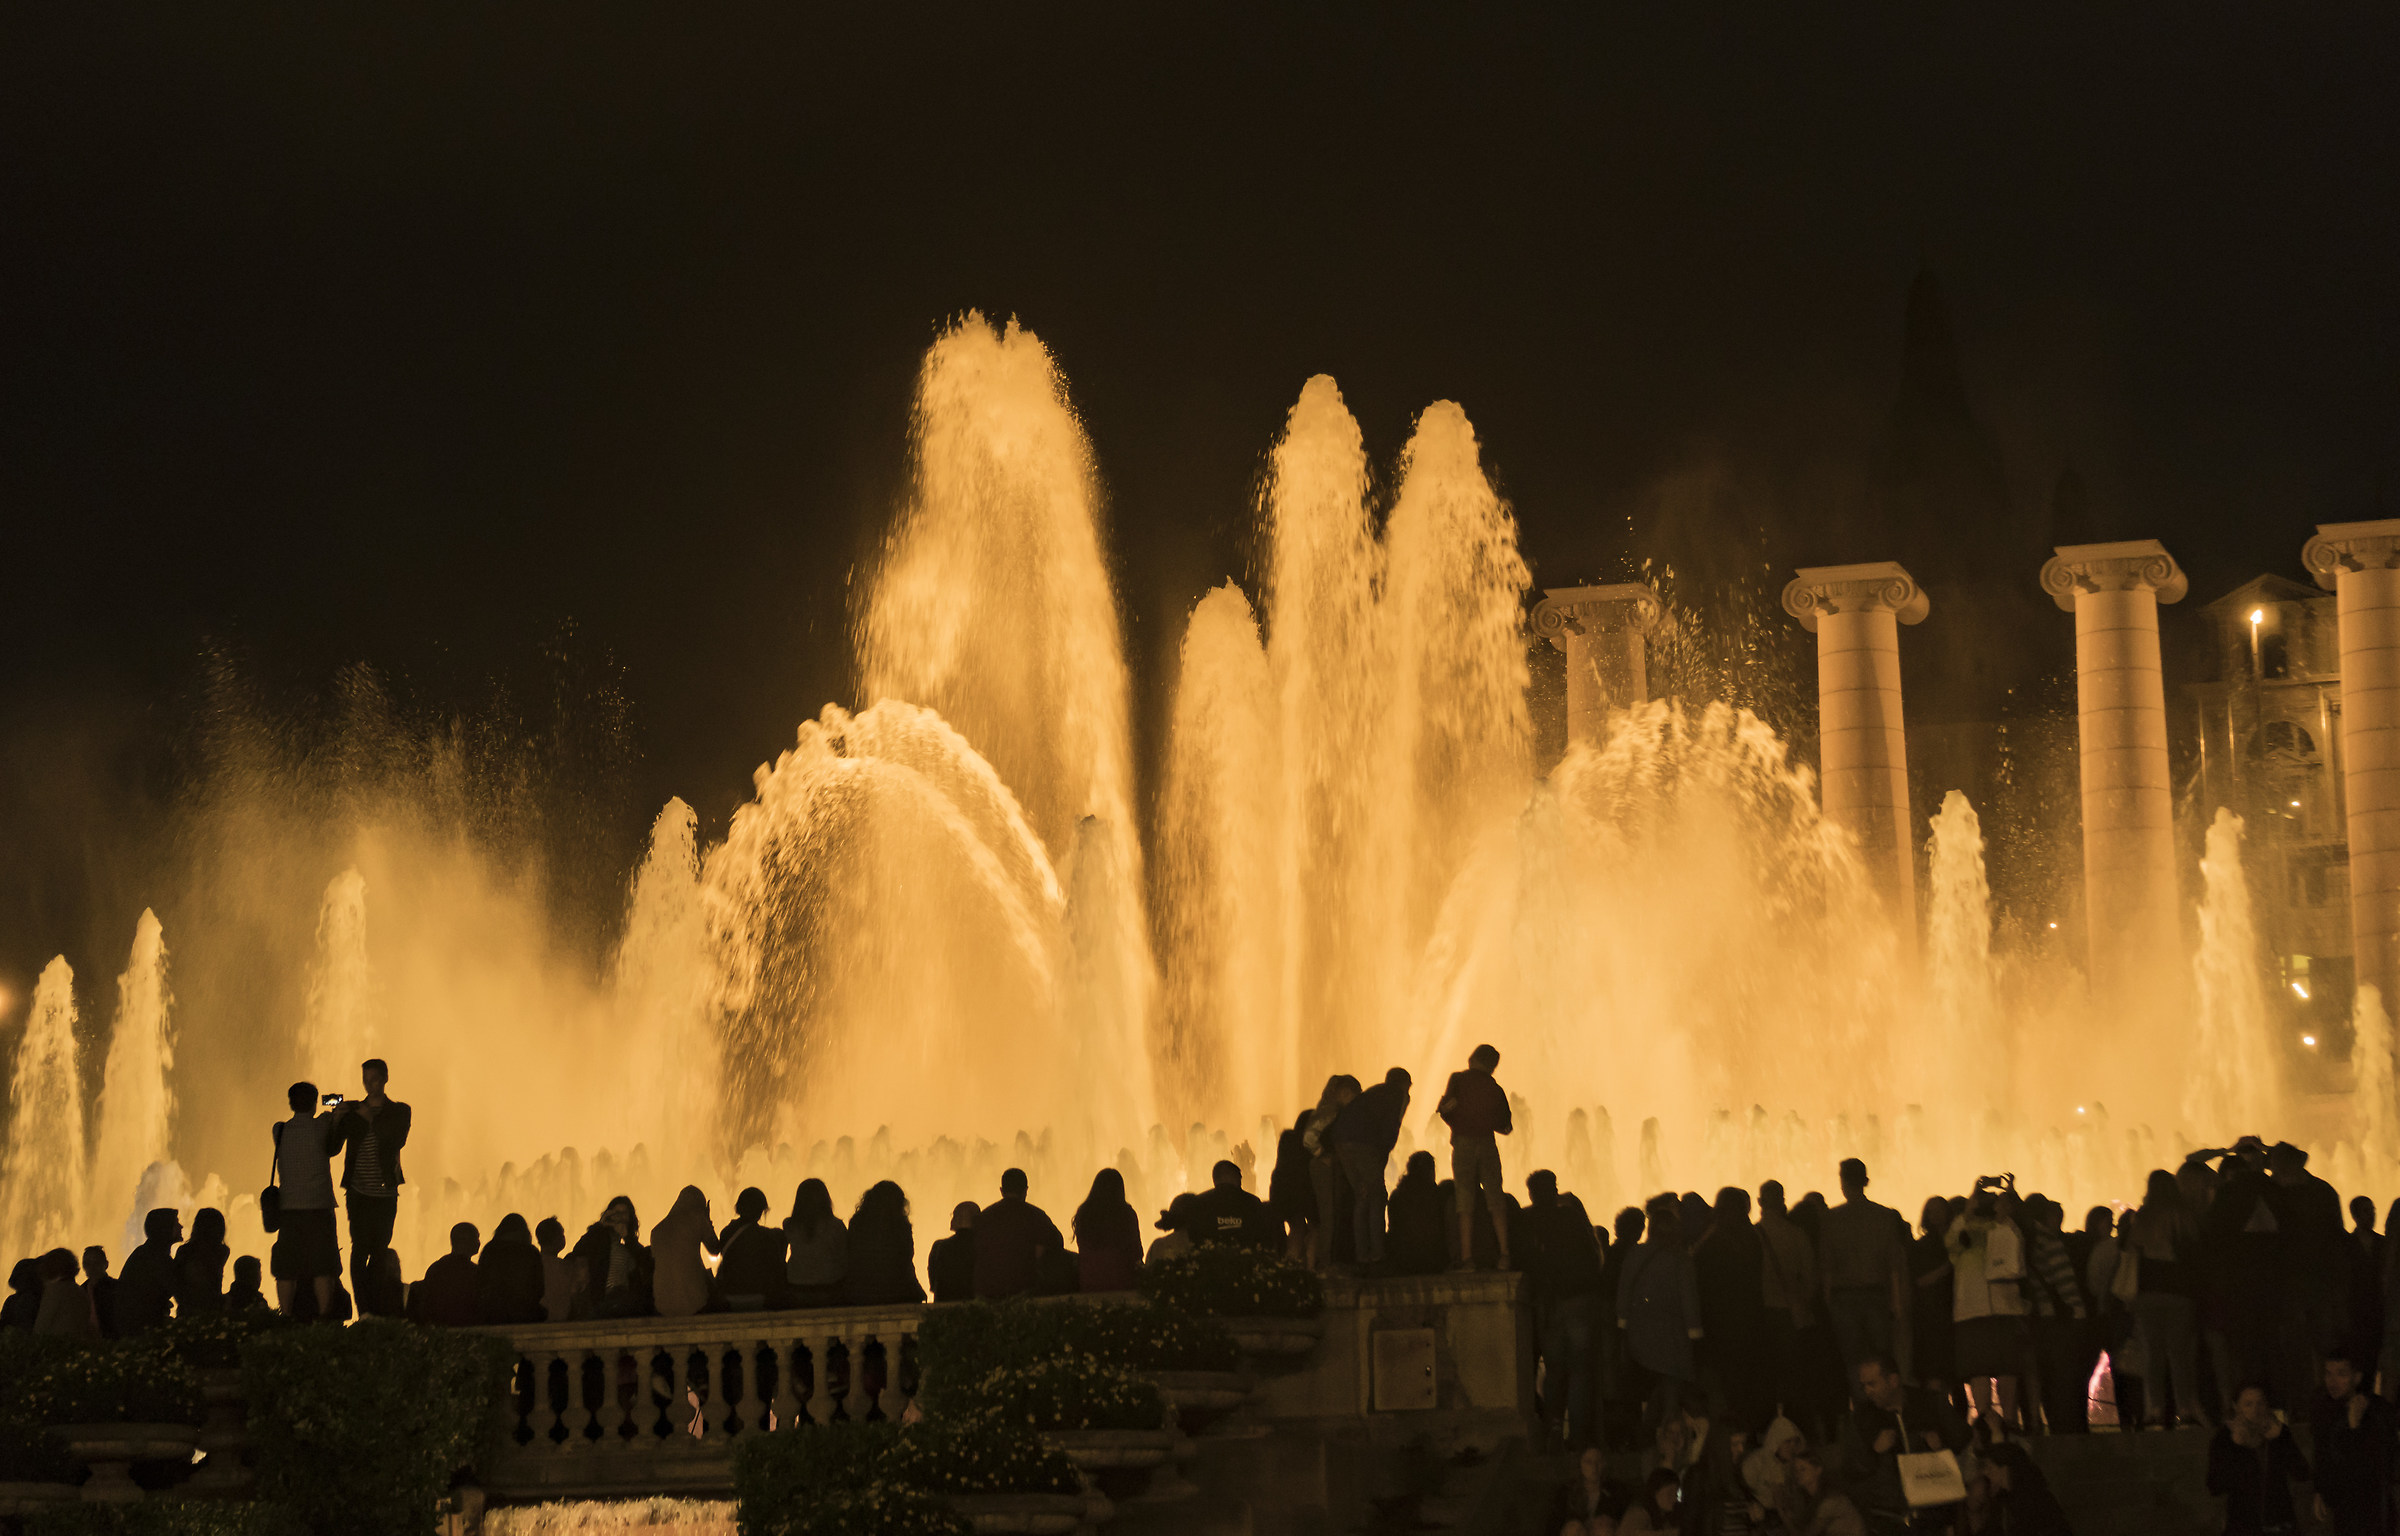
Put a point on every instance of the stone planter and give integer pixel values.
(25, 1498)
(1201, 1398)
(1124, 1462)
(1275, 1338)
(110, 1450)
(1023, 1514)
(224, 1435)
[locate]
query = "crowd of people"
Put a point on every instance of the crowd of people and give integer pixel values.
(1771, 1361)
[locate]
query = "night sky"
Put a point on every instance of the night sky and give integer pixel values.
(431, 337)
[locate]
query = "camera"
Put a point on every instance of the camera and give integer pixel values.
(1996, 1181)
(331, 1101)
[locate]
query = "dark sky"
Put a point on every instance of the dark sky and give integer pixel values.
(408, 335)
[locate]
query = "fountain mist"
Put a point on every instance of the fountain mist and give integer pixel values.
(137, 1104)
(41, 1179)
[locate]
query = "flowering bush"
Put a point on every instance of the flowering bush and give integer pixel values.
(1226, 1280)
(359, 1429)
(1071, 1392)
(961, 1344)
(215, 1343)
(163, 1517)
(776, 1474)
(879, 1509)
(980, 1453)
(133, 1381)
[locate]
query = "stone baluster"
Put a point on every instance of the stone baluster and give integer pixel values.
(786, 1407)
(543, 1418)
(579, 1416)
(856, 1402)
(820, 1377)
(2360, 564)
(893, 1401)
(1856, 612)
(613, 1411)
(682, 1386)
(2131, 911)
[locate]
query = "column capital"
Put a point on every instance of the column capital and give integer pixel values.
(1875, 585)
(1565, 611)
(2129, 565)
(2340, 547)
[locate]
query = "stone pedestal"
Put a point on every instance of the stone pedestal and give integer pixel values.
(1856, 612)
(1604, 632)
(2131, 912)
(2360, 564)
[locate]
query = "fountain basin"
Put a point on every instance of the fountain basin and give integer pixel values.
(110, 1450)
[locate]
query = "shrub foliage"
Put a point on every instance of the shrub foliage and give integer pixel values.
(1225, 1280)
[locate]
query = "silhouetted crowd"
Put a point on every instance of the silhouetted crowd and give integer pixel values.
(1777, 1365)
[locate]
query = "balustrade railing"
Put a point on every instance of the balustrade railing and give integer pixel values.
(656, 1404)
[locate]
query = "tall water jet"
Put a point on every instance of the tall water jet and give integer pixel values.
(42, 1176)
(1963, 1045)
(137, 1106)
(663, 990)
(1322, 567)
(1456, 737)
(1225, 1041)
(2233, 1089)
(993, 607)
(338, 1030)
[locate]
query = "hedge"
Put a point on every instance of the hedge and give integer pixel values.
(1070, 1392)
(959, 1345)
(779, 1477)
(1227, 1280)
(68, 1381)
(358, 1430)
(163, 1517)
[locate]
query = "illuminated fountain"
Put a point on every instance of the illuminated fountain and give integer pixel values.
(937, 942)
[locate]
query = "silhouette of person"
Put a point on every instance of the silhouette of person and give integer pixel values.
(562, 1278)
(950, 1262)
(24, 1304)
(680, 1282)
(508, 1275)
(66, 1308)
(307, 1256)
(616, 1267)
(883, 1250)
(816, 1247)
(1011, 1237)
(751, 1272)
(100, 1288)
(1363, 1136)
(447, 1293)
(1476, 1109)
(245, 1295)
(200, 1266)
(146, 1287)
(1108, 1235)
(1228, 1213)
(369, 1134)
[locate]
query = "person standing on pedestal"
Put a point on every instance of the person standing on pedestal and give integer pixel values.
(369, 1134)
(1476, 1109)
(1363, 1136)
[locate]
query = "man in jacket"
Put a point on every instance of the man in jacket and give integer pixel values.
(1228, 1213)
(2352, 1435)
(1011, 1236)
(1893, 1418)
(1475, 1107)
(369, 1134)
(1862, 1263)
(1563, 1265)
(1363, 1136)
(146, 1286)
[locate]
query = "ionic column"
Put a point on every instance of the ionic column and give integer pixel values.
(2360, 563)
(1856, 612)
(1603, 631)
(2131, 915)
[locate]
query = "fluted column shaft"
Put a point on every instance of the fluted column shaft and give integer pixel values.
(2360, 562)
(2131, 911)
(1856, 612)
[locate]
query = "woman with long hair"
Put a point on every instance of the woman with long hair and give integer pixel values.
(2166, 1235)
(1291, 1191)
(680, 1281)
(883, 1250)
(817, 1246)
(616, 1267)
(1108, 1236)
(200, 1266)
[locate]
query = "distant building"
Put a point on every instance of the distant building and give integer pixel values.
(2270, 749)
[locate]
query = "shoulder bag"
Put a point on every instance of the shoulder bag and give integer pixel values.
(270, 1199)
(1929, 1479)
